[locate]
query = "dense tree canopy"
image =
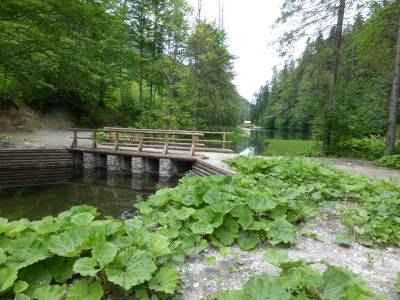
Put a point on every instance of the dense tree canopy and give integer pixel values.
(137, 63)
(295, 97)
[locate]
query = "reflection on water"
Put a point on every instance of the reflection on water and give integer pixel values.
(258, 137)
(112, 194)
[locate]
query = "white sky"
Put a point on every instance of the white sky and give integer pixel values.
(248, 25)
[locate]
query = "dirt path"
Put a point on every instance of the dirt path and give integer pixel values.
(361, 167)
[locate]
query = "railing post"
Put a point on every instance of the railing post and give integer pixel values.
(193, 147)
(224, 140)
(116, 144)
(75, 141)
(140, 146)
(94, 146)
(166, 144)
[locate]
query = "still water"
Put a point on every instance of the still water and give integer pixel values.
(113, 195)
(257, 139)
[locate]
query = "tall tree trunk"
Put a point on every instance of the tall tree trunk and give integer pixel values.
(141, 52)
(393, 103)
(331, 102)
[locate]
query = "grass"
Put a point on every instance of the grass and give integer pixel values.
(290, 147)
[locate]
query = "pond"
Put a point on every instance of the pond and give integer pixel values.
(113, 194)
(263, 140)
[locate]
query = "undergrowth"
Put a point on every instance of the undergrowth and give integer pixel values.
(389, 161)
(375, 214)
(300, 280)
(76, 255)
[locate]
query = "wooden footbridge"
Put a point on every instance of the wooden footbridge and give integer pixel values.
(146, 150)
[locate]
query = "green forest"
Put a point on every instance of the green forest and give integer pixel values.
(296, 96)
(152, 214)
(139, 63)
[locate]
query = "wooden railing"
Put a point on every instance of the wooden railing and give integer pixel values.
(147, 140)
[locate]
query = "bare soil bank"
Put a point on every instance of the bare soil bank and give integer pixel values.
(26, 119)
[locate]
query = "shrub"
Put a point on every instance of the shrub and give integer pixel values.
(390, 161)
(367, 148)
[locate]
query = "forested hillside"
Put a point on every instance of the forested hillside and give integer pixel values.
(138, 62)
(295, 97)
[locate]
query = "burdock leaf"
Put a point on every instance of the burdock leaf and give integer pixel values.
(20, 286)
(104, 253)
(82, 289)
(260, 202)
(263, 287)
(82, 218)
(248, 240)
(7, 278)
(3, 256)
(275, 257)
(69, 243)
(49, 292)
(46, 225)
(227, 232)
(281, 231)
(165, 280)
(234, 295)
(85, 266)
(344, 239)
(60, 268)
(130, 267)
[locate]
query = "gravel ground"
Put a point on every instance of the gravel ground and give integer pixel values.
(377, 267)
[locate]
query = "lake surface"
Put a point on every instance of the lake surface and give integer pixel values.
(258, 137)
(113, 195)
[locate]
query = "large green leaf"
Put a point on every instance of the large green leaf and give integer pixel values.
(244, 215)
(69, 243)
(397, 285)
(85, 266)
(234, 295)
(184, 213)
(15, 228)
(36, 274)
(275, 257)
(104, 253)
(207, 215)
(248, 240)
(201, 227)
(281, 231)
(20, 286)
(3, 256)
(227, 232)
(49, 292)
(25, 251)
(7, 278)
(83, 290)
(3, 225)
(82, 218)
(340, 283)
(165, 280)
(263, 287)
(158, 244)
(46, 225)
(344, 239)
(130, 267)
(260, 202)
(60, 268)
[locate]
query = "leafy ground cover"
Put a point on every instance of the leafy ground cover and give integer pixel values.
(370, 148)
(390, 161)
(374, 212)
(300, 280)
(290, 147)
(79, 256)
